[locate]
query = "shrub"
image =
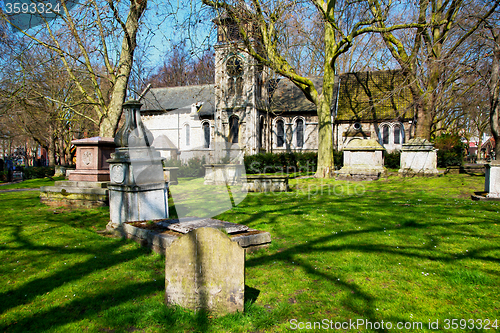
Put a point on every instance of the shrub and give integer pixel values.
(193, 167)
(36, 172)
(392, 160)
(451, 150)
(338, 159)
(282, 162)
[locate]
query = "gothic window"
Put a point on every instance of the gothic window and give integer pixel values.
(233, 129)
(280, 133)
(188, 133)
(300, 133)
(239, 87)
(206, 135)
(391, 135)
(261, 132)
(385, 134)
(397, 135)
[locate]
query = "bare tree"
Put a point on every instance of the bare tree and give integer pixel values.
(83, 36)
(180, 69)
(426, 53)
(263, 25)
(494, 82)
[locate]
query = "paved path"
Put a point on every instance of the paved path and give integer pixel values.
(16, 189)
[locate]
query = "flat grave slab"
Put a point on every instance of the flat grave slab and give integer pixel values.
(158, 236)
(186, 225)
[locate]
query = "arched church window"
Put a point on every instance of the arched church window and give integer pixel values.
(280, 133)
(233, 129)
(385, 135)
(397, 135)
(300, 132)
(261, 132)
(188, 133)
(206, 135)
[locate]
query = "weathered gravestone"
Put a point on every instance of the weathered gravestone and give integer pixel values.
(205, 270)
(418, 158)
(363, 160)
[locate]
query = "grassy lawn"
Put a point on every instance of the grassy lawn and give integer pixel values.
(394, 250)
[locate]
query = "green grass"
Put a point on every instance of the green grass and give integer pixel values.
(397, 250)
(31, 183)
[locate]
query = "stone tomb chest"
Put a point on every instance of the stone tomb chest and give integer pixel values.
(91, 156)
(418, 157)
(363, 160)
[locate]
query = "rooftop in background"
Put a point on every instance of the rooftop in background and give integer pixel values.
(180, 98)
(382, 95)
(378, 95)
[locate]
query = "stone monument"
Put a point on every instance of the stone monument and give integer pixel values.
(492, 179)
(137, 189)
(91, 156)
(363, 160)
(204, 269)
(87, 185)
(418, 158)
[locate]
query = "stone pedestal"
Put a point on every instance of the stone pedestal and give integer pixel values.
(87, 185)
(492, 179)
(418, 158)
(262, 183)
(91, 156)
(170, 175)
(205, 270)
(137, 188)
(363, 160)
(224, 174)
(75, 194)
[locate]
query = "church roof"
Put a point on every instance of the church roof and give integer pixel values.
(379, 95)
(363, 96)
(368, 96)
(287, 97)
(176, 98)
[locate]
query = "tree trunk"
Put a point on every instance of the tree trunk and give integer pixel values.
(62, 153)
(495, 93)
(109, 122)
(326, 165)
(424, 118)
(51, 150)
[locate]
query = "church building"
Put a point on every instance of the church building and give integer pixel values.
(245, 112)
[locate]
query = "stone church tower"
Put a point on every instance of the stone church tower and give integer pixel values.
(240, 95)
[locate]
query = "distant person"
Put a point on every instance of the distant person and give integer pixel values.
(10, 170)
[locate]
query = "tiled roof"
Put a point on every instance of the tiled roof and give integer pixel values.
(287, 97)
(175, 98)
(362, 96)
(374, 96)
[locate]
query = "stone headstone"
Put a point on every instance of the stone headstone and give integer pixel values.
(363, 160)
(418, 157)
(492, 179)
(205, 270)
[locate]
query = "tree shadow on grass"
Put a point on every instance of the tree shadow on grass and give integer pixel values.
(101, 258)
(396, 214)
